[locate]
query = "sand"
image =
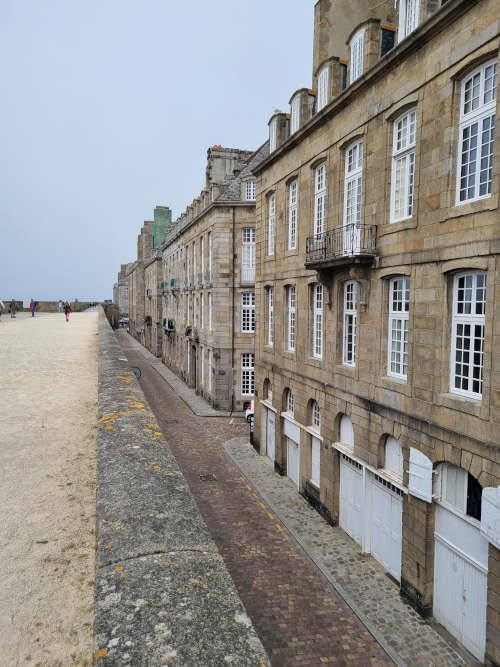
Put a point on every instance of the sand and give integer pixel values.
(48, 418)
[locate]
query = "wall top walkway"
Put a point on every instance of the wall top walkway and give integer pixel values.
(163, 593)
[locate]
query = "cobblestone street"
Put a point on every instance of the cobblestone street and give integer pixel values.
(288, 564)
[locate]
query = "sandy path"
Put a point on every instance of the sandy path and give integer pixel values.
(48, 416)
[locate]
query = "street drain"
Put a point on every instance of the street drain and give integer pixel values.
(208, 478)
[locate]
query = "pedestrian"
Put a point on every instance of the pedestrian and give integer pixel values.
(60, 306)
(33, 307)
(67, 310)
(13, 308)
(2, 307)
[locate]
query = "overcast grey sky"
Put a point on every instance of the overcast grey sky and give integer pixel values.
(108, 108)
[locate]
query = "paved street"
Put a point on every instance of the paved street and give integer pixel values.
(297, 614)
(264, 529)
(47, 488)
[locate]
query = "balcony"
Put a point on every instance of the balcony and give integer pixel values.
(351, 244)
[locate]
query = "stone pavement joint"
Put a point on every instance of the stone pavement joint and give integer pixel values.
(163, 593)
(359, 579)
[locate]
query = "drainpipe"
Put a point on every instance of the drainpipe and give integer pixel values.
(232, 310)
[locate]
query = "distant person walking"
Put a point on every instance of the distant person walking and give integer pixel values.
(2, 307)
(32, 307)
(67, 310)
(60, 306)
(13, 308)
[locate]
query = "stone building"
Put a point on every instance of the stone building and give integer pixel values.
(120, 291)
(378, 297)
(135, 275)
(153, 285)
(208, 275)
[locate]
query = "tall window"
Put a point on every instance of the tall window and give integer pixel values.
(202, 364)
(403, 167)
(247, 374)
(248, 255)
(467, 351)
(319, 199)
(202, 310)
(353, 184)
(477, 134)
(357, 49)
(323, 80)
(248, 312)
(290, 402)
(273, 135)
(209, 262)
(318, 321)
(250, 190)
(209, 311)
(271, 223)
(350, 316)
(194, 263)
(270, 316)
(316, 416)
(292, 215)
(399, 306)
(408, 17)
(291, 318)
(202, 257)
(295, 114)
(209, 369)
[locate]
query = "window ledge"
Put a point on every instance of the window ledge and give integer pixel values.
(345, 369)
(395, 384)
(468, 208)
(401, 226)
(470, 406)
(314, 361)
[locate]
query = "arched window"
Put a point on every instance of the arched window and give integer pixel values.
(460, 490)
(346, 432)
(290, 401)
(315, 415)
(393, 457)
(267, 391)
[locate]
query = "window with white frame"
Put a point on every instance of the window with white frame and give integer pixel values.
(357, 51)
(403, 166)
(467, 344)
(291, 318)
(202, 257)
(408, 17)
(295, 114)
(318, 321)
(209, 369)
(202, 364)
(250, 190)
(209, 311)
(353, 184)
(248, 312)
(399, 307)
(273, 135)
(350, 323)
(209, 256)
(270, 316)
(323, 82)
(290, 401)
(293, 192)
(202, 310)
(319, 199)
(316, 416)
(477, 133)
(247, 374)
(271, 204)
(458, 488)
(248, 255)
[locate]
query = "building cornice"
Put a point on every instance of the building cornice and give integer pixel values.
(435, 24)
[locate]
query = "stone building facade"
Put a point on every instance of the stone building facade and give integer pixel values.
(135, 275)
(120, 291)
(208, 277)
(378, 297)
(153, 285)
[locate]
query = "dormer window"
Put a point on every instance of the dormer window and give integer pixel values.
(357, 49)
(250, 190)
(323, 82)
(408, 17)
(295, 114)
(273, 135)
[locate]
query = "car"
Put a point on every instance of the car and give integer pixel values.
(249, 410)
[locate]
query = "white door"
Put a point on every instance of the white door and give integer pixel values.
(292, 466)
(461, 579)
(351, 494)
(270, 434)
(386, 526)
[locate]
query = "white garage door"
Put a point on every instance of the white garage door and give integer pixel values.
(270, 451)
(292, 468)
(461, 579)
(351, 493)
(387, 522)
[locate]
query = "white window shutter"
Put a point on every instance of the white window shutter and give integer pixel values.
(490, 515)
(420, 482)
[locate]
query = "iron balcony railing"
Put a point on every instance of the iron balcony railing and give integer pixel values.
(343, 242)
